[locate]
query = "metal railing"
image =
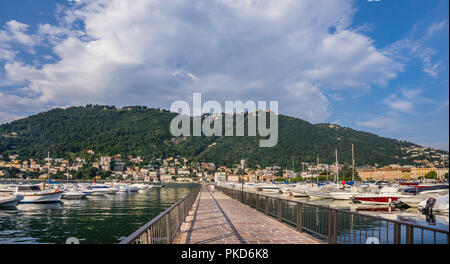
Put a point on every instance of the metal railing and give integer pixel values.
(337, 226)
(163, 228)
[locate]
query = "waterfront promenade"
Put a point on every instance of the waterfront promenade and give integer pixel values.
(218, 219)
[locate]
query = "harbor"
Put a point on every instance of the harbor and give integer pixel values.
(233, 215)
(98, 219)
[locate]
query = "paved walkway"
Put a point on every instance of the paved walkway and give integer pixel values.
(219, 219)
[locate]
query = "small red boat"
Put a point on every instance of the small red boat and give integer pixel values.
(387, 195)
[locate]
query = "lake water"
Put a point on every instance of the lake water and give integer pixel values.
(96, 219)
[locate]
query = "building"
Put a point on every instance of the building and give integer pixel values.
(384, 174)
(220, 176)
(166, 178)
(119, 165)
(233, 178)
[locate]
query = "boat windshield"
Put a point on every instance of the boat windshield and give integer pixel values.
(32, 188)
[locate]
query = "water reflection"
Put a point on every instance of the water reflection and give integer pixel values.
(95, 219)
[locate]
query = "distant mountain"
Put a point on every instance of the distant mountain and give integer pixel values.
(143, 131)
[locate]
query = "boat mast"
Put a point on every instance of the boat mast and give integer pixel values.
(336, 175)
(317, 176)
(48, 166)
(68, 161)
(353, 164)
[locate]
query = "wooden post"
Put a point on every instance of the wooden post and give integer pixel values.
(266, 202)
(409, 234)
(168, 228)
(279, 209)
(330, 226)
(257, 202)
(397, 234)
(299, 217)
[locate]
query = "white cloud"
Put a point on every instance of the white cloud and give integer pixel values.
(416, 49)
(381, 122)
(154, 52)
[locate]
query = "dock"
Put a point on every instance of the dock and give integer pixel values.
(219, 219)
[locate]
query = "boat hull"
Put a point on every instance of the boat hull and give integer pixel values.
(342, 195)
(42, 197)
(6, 202)
(377, 199)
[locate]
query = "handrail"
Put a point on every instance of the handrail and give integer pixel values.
(163, 228)
(323, 220)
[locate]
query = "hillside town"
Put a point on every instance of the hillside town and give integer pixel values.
(179, 169)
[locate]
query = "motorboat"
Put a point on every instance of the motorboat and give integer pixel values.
(9, 199)
(319, 195)
(423, 189)
(342, 195)
(414, 200)
(387, 195)
(98, 189)
(74, 194)
(34, 194)
(438, 205)
(142, 186)
(345, 194)
(268, 188)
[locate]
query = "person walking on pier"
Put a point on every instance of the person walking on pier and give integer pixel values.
(212, 188)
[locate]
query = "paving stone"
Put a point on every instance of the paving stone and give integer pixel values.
(219, 219)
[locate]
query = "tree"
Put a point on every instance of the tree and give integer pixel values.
(431, 175)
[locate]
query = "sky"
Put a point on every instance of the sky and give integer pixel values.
(376, 66)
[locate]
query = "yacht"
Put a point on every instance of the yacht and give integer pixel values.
(74, 194)
(34, 194)
(9, 199)
(386, 195)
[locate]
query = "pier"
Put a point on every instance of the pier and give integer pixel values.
(233, 216)
(219, 219)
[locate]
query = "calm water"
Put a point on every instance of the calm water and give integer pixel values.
(97, 219)
(353, 229)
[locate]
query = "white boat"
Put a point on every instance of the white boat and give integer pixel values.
(343, 195)
(414, 200)
(387, 195)
(98, 189)
(34, 194)
(319, 195)
(74, 194)
(112, 190)
(9, 199)
(142, 186)
(125, 188)
(269, 189)
(300, 190)
(441, 205)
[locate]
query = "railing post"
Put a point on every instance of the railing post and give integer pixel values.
(409, 234)
(177, 217)
(397, 234)
(335, 226)
(257, 202)
(168, 228)
(330, 226)
(266, 205)
(279, 209)
(150, 235)
(299, 217)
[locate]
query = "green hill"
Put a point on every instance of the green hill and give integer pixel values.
(143, 131)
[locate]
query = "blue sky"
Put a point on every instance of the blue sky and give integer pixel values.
(380, 67)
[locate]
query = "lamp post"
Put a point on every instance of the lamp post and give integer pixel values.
(241, 176)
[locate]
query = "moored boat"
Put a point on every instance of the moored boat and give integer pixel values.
(9, 199)
(34, 194)
(387, 195)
